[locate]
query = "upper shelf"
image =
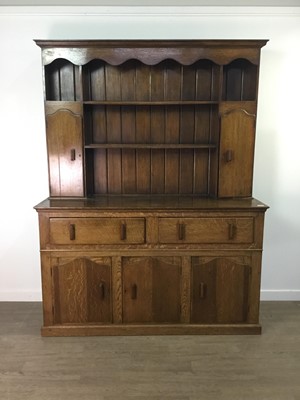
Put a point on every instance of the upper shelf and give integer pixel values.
(151, 146)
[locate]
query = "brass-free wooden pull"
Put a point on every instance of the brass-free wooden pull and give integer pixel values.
(231, 231)
(123, 231)
(72, 231)
(228, 155)
(202, 290)
(181, 231)
(102, 290)
(73, 155)
(134, 291)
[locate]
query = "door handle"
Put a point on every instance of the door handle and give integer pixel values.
(102, 290)
(181, 231)
(229, 155)
(134, 291)
(202, 290)
(72, 232)
(73, 155)
(231, 231)
(123, 231)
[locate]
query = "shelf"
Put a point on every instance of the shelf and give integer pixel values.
(150, 103)
(149, 146)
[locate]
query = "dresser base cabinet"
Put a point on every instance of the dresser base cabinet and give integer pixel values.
(149, 274)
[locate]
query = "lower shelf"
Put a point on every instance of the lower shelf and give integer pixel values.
(131, 330)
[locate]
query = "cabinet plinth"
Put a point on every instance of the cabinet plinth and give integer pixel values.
(150, 227)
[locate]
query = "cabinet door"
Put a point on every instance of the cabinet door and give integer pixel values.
(81, 290)
(64, 141)
(151, 289)
(220, 289)
(236, 153)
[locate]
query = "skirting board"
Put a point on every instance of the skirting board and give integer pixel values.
(280, 295)
(266, 295)
(20, 296)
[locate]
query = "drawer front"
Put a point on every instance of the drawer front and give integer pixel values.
(206, 230)
(97, 231)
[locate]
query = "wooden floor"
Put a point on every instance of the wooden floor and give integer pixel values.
(265, 367)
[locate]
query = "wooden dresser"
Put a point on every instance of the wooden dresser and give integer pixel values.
(150, 227)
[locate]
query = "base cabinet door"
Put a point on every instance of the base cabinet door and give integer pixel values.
(81, 290)
(151, 289)
(220, 289)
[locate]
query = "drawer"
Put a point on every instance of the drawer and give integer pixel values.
(97, 230)
(206, 230)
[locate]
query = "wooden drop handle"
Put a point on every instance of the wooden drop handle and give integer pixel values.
(123, 231)
(229, 155)
(73, 155)
(231, 231)
(181, 231)
(102, 290)
(202, 290)
(72, 231)
(134, 291)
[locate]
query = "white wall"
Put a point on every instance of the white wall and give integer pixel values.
(23, 165)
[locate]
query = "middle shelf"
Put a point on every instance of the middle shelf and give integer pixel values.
(162, 126)
(150, 103)
(149, 146)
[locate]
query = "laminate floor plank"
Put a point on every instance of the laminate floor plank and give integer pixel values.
(265, 367)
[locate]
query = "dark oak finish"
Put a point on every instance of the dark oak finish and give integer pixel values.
(96, 231)
(236, 153)
(220, 289)
(81, 290)
(151, 227)
(64, 141)
(147, 293)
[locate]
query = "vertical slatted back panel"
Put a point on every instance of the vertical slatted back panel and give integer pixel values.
(113, 120)
(150, 171)
(143, 132)
(172, 126)
(62, 81)
(240, 81)
(157, 130)
(204, 80)
(128, 121)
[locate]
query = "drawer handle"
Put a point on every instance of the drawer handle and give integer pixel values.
(72, 231)
(102, 290)
(181, 231)
(202, 290)
(231, 231)
(229, 155)
(134, 291)
(123, 231)
(73, 155)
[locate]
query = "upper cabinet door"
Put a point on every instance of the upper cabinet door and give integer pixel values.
(237, 139)
(64, 140)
